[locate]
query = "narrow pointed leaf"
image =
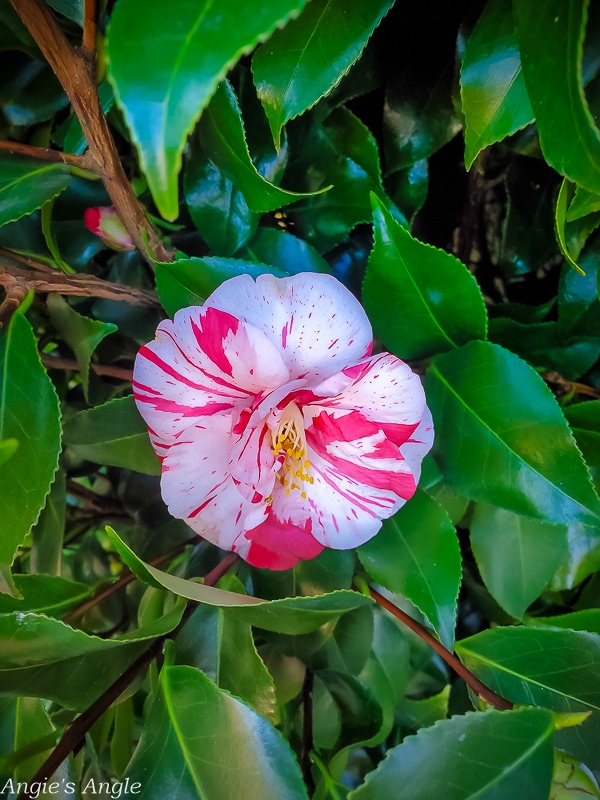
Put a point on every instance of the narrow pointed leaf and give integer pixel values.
(29, 413)
(304, 61)
(479, 756)
(420, 300)
(512, 450)
(165, 67)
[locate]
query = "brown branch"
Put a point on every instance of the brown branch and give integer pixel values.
(563, 386)
(56, 156)
(77, 285)
(74, 735)
(54, 362)
(15, 294)
(481, 690)
(75, 73)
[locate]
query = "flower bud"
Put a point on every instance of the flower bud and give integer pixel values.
(106, 223)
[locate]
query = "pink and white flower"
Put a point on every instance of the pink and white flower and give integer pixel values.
(107, 224)
(279, 433)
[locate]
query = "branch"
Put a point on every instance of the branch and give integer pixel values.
(481, 690)
(563, 386)
(74, 735)
(56, 156)
(79, 285)
(75, 73)
(88, 42)
(54, 362)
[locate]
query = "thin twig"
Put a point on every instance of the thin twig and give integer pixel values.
(120, 373)
(79, 285)
(84, 161)
(74, 735)
(307, 731)
(566, 386)
(76, 75)
(480, 689)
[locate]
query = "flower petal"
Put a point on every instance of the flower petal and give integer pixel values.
(317, 325)
(205, 362)
(279, 544)
(198, 487)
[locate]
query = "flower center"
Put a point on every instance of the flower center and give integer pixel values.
(289, 441)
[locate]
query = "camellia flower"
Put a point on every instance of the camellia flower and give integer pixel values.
(107, 224)
(279, 433)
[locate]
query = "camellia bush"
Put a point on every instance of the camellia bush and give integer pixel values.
(299, 399)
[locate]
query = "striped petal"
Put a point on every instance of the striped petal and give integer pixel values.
(315, 323)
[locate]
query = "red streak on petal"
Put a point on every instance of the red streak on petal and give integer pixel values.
(216, 325)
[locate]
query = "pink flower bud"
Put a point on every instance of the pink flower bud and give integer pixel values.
(106, 223)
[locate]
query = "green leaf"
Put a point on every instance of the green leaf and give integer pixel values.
(416, 555)
(494, 97)
(217, 207)
(479, 756)
(33, 727)
(8, 447)
(586, 620)
(71, 9)
(190, 281)
(284, 251)
(29, 413)
(223, 138)
(360, 714)
(223, 647)
(513, 450)
(222, 751)
(582, 204)
(528, 665)
(294, 615)
(304, 61)
(45, 555)
(26, 185)
(82, 334)
(560, 218)
(584, 419)
(550, 37)
(165, 68)
(30, 93)
(578, 302)
(113, 434)
(420, 300)
(583, 557)
(45, 594)
(517, 556)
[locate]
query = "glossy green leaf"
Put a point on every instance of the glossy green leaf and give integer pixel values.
(26, 185)
(223, 138)
(284, 251)
(517, 556)
(47, 536)
(294, 615)
(584, 419)
(494, 97)
(223, 648)
(218, 208)
(8, 447)
(586, 620)
(113, 434)
(33, 728)
(343, 153)
(165, 68)
(360, 714)
(547, 345)
(30, 93)
(29, 413)
(82, 334)
(190, 281)
(480, 756)
(514, 449)
(550, 39)
(416, 554)
(222, 751)
(408, 187)
(420, 300)
(583, 557)
(71, 9)
(45, 594)
(304, 61)
(582, 204)
(562, 203)
(528, 665)
(578, 302)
